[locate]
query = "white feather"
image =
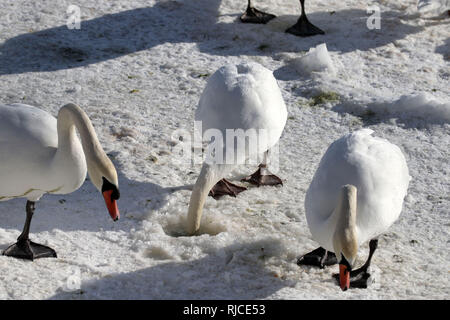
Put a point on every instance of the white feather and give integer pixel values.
(376, 168)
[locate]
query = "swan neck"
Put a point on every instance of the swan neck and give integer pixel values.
(345, 239)
(209, 176)
(346, 208)
(70, 117)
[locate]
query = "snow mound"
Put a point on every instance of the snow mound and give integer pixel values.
(412, 110)
(316, 60)
(421, 106)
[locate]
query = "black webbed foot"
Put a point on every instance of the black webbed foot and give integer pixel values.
(26, 249)
(304, 28)
(262, 177)
(318, 258)
(225, 187)
(252, 15)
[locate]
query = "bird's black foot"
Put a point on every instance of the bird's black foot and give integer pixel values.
(359, 278)
(252, 15)
(304, 28)
(318, 258)
(262, 177)
(26, 249)
(225, 187)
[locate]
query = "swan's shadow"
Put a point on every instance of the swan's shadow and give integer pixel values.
(115, 35)
(238, 273)
(85, 210)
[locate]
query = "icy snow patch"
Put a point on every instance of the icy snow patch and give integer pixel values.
(317, 59)
(414, 110)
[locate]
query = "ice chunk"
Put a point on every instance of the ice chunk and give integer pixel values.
(317, 59)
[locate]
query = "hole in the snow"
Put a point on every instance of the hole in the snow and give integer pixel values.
(176, 227)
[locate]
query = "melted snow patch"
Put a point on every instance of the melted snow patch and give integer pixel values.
(175, 226)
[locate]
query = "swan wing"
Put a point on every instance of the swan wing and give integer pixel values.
(28, 140)
(24, 124)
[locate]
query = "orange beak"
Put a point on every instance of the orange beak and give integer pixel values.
(111, 204)
(344, 277)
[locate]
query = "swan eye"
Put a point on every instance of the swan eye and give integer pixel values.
(115, 195)
(345, 263)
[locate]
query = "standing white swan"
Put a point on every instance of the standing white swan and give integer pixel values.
(356, 194)
(237, 98)
(39, 154)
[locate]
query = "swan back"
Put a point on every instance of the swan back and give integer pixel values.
(376, 168)
(244, 96)
(24, 124)
(28, 139)
(36, 157)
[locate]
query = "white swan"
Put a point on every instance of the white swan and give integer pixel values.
(356, 194)
(39, 154)
(247, 97)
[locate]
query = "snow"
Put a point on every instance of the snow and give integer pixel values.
(138, 69)
(317, 59)
(433, 6)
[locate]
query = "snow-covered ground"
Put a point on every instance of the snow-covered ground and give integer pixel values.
(138, 69)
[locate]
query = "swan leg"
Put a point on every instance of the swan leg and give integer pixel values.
(304, 28)
(225, 187)
(252, 15)
(26, 249)
(359, 278)
(318, 258)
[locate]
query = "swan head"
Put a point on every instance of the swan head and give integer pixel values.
(346, 252)
(103, 175)
(345, 241)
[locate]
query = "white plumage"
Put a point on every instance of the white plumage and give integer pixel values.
(28, 145)
(244, 96)
(376, 168)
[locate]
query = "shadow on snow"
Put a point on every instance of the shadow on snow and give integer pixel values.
(119, 34)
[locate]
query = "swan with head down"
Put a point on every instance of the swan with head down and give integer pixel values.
(356, 194)
(241, 98)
